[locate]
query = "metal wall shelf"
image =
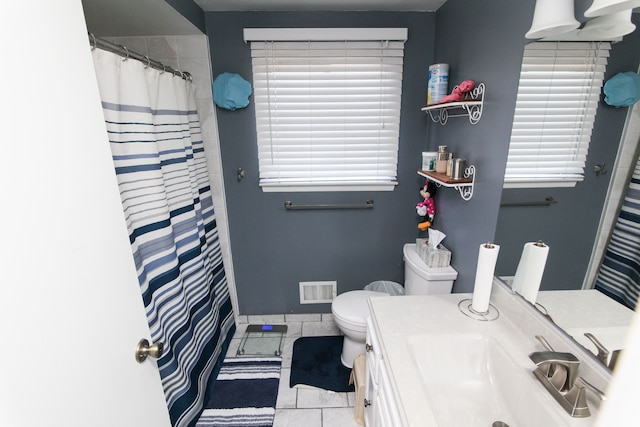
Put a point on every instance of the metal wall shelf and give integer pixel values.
(464, 186)
(471, 107)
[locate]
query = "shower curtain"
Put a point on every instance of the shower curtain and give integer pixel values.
(160, 165)
(619, 274)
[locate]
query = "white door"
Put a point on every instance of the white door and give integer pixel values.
(71, 312)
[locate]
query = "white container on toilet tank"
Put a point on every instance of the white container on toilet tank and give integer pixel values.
(419, 279)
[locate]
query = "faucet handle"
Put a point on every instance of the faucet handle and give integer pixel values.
(577, 400)
(595, 390)
(603, 353)
(577, 397)
(544, 342)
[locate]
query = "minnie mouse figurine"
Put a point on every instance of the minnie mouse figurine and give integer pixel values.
(427, 208)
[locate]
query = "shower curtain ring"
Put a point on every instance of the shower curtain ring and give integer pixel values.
(92, 41)
(164, 68)
(125, 51)
(148, 64)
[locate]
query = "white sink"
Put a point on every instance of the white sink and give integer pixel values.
(470, 380)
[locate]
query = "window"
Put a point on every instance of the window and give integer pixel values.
(558, 96)
(327, 104)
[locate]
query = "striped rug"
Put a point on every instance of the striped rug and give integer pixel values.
(244, 394)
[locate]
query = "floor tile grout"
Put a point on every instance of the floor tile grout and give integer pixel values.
(329, 406)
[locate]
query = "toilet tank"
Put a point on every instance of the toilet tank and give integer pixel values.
(422, 280)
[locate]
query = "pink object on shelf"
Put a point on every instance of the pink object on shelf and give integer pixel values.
(459, 92)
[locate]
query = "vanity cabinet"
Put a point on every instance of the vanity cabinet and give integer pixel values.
(380, 408)
(431, 365)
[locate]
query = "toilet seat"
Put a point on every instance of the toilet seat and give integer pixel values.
(351, 307)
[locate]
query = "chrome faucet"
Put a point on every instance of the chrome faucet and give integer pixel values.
(563, 379)
(558, 373)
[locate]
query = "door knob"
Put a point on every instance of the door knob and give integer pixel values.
(144, 349)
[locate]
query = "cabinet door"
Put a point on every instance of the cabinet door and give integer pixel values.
(371, 416)
(386, 400)
(374, 355)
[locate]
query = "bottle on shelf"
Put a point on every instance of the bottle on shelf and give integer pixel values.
(443, 159)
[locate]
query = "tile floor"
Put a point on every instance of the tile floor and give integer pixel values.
(297, 407)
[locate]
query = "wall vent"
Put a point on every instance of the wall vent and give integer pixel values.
(317, 292)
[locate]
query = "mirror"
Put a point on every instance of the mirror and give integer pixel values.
(594, 320)
(570, 221)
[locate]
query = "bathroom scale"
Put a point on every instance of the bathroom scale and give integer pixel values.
(262, 340)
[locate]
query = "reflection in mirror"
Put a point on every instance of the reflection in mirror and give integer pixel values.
(589, 312)
(595, 321)
(578, 224)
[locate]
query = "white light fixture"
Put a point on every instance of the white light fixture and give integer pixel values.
(605, 7)
(552, 17)
(608, 27)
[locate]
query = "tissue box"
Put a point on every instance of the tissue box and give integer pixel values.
(434, 258)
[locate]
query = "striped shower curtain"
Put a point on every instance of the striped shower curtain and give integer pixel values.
(159, 160)
(619, 274)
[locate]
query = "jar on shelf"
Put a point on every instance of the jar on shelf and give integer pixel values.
(458, 168)
(429, 160)
(442, 159)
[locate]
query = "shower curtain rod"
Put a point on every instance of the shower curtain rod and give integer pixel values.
(121, 50)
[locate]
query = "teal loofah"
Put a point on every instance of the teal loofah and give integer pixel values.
(231, 91)
(622, 90)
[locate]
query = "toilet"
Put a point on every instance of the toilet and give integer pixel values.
(419, 279)
(350, 309)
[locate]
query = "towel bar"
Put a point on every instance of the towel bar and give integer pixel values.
(288, 205)
(546, 202)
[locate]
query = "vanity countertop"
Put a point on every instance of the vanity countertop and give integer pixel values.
(399, 317)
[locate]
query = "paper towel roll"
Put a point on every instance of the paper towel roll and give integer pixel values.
(487, 258)
(529, 273)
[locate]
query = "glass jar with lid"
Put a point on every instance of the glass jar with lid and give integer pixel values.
(442, 159)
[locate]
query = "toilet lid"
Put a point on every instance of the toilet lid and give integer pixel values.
(353, 305)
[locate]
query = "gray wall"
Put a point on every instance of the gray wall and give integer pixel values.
(190, 10)
(569, 226)
(482, 41)
(274, 249)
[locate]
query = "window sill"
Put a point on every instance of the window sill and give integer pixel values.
(316, 187)
(540, 184)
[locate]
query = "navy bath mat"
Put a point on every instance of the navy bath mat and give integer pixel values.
(316, 363)
(244, 394)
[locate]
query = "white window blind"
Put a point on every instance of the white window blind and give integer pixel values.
(558, 96)
(327, 111)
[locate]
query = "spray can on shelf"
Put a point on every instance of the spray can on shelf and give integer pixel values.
(438, 85)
